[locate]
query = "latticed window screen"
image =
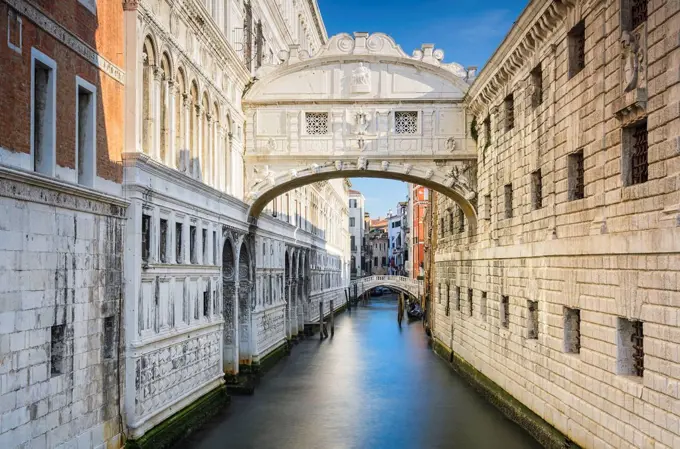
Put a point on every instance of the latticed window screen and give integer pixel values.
(405, 122)
(317, 123)
(638, 12)
(638, 155)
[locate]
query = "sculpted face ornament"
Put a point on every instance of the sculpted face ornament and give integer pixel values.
(338, 165)
(315, 168)
(385, 165)
(361, 163)
(429, 174)
(408, 168)
(293, 173)
(451, 144)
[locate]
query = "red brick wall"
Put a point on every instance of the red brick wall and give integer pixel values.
(103, 32)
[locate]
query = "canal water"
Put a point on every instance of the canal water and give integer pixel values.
(374, 385)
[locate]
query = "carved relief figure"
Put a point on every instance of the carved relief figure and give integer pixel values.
(361, 79)
(633, 58)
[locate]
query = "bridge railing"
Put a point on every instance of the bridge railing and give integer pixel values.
(410, 284)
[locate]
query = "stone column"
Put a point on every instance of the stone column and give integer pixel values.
(198, 141)
(207, 147)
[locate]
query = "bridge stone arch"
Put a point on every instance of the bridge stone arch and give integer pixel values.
(360, 107)
(404, 284)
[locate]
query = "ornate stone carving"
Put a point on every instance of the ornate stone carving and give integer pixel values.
(429, 174)
(408, 168)
(451, 144)
(315, 168)
(263, 175)
(338, 165)
(271, 145)
(361, 79)
(362, 163)
(385, 165)
(633, 59)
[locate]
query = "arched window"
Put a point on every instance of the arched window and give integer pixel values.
(148, 61)
(180, 125)
(165, 109)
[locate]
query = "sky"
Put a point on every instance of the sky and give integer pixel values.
(468, 31)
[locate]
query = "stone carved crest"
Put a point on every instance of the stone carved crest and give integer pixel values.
(633, 59)
(361, 79)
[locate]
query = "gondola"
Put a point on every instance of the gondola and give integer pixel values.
(414, 312)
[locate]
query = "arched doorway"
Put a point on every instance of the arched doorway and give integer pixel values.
(244, 306)
(229, 361)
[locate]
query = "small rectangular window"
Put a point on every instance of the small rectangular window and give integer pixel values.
(575, 176)
(57, 349)
(447, 310)
(572, 330)
(505, 311)
(178, 243)
(577, 48)
(537, 85)
(206, 304)
(405, 122)
(487, 129)
(509, 112)
(204, 242)
(215, 247)
(470, 302)
(316, 123)
(146, 237)
(351, 222)
(638, 12)
(44, 113)
(193, 235)
(532, 319)
(536, 190)
(163, 241)
(634, 164)
(457, 298)
(630, 358)
(109, 343)
(86, 131)
(451, 219)
(461, 221)
(487, 206)
(508, 200)
(482, 305)
(14, 30)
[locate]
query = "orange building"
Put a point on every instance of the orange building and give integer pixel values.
(420, 203)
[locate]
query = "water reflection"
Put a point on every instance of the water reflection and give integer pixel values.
(373, 385)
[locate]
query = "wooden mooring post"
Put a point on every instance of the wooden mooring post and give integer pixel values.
(332, 319)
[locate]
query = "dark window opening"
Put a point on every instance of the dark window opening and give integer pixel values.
(505, 311)
(482, 305)
(532, 324)
(509, 112)
(577, 48)
(635, 154)
(109, 343)
(146, 237)
(572, 330)
(630, 348)
(192, 244)
(204, 237)
(164, 241)
(575, 176)
(457, 298)
(57, 349)
(638, 12)
(487, 206)
(508, 200)
(537, 84)
(470, 302)
(206, 304)
(536, 190)
(178, 242)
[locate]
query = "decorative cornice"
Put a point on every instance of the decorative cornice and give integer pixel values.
(58, 193)
(528, 35)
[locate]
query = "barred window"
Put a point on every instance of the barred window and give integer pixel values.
(508, 200)
(505, 311)
(630, 357)
(317, 123)
(532, 319)
(575, 175)
(405, 122)
(536, 190)
(635, 157)
(577, 48)
(572, 330)
(638, 12)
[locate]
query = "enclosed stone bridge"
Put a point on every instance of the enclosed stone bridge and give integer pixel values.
(402, 284)
(360, 107)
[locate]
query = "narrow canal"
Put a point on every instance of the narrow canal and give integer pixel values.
(373, 385)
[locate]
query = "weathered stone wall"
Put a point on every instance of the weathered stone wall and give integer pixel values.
(60, 284)
(606, 261)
